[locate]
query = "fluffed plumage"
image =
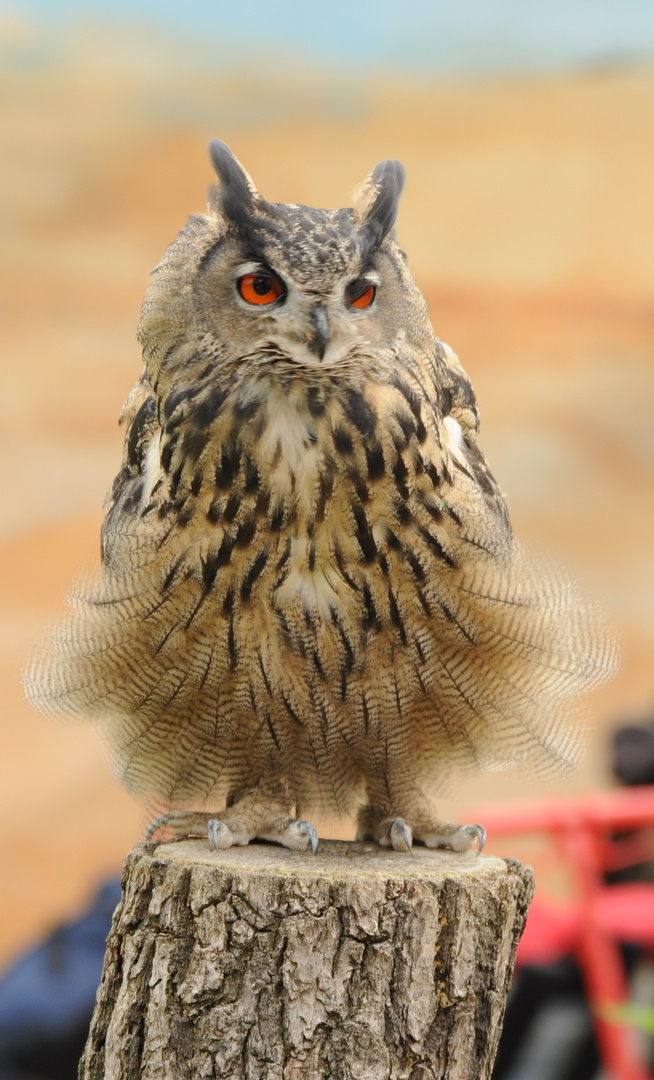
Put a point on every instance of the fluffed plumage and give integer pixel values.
(308, 572)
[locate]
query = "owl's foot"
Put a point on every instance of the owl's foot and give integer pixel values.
(291, 833)
(395, 832)
(264, 812)
(455, 837)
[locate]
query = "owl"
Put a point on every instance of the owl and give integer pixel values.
(311, 601)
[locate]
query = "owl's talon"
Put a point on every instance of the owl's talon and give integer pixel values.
(400, 834)
(220, 836)
(292, 834)
(305, 828)
(478, 832)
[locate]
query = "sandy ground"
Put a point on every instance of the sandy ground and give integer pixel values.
(527, 220)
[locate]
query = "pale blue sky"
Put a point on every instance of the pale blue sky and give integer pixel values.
(420, 36)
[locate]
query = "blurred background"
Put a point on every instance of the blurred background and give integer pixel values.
(527, 131)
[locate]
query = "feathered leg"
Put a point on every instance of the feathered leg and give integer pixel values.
(398, 813)
(399, 829)
(264, 812)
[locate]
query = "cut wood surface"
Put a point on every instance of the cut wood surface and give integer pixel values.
(259, 962)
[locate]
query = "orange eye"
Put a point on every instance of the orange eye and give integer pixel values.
(260, 288)
(360, 294)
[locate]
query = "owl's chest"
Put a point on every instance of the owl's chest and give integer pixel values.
(330, 500)
(313, 505)
(291, 455)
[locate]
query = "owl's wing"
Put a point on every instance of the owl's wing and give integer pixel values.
(140, 469)
(458, 405)
(512, 642)
(500, 644)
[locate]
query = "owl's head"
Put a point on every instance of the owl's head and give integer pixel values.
(272, 283)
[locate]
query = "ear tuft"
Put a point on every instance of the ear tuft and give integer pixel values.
(377, 200)
(236, 193)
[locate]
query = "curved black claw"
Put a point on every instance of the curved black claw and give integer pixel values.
(305, 828)
(401, 839)
(479, 833)
(220, 837)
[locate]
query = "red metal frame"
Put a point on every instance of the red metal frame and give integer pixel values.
(599, 917)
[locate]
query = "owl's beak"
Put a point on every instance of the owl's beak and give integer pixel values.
(318, 338)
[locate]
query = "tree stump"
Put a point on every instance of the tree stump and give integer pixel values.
(259, 963)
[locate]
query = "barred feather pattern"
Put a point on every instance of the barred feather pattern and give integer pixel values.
(309, 571)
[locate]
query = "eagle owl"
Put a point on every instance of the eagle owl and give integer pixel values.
(310, 598)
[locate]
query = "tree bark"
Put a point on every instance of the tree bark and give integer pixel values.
(259, 963)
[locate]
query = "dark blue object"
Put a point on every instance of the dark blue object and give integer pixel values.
(47, 996)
